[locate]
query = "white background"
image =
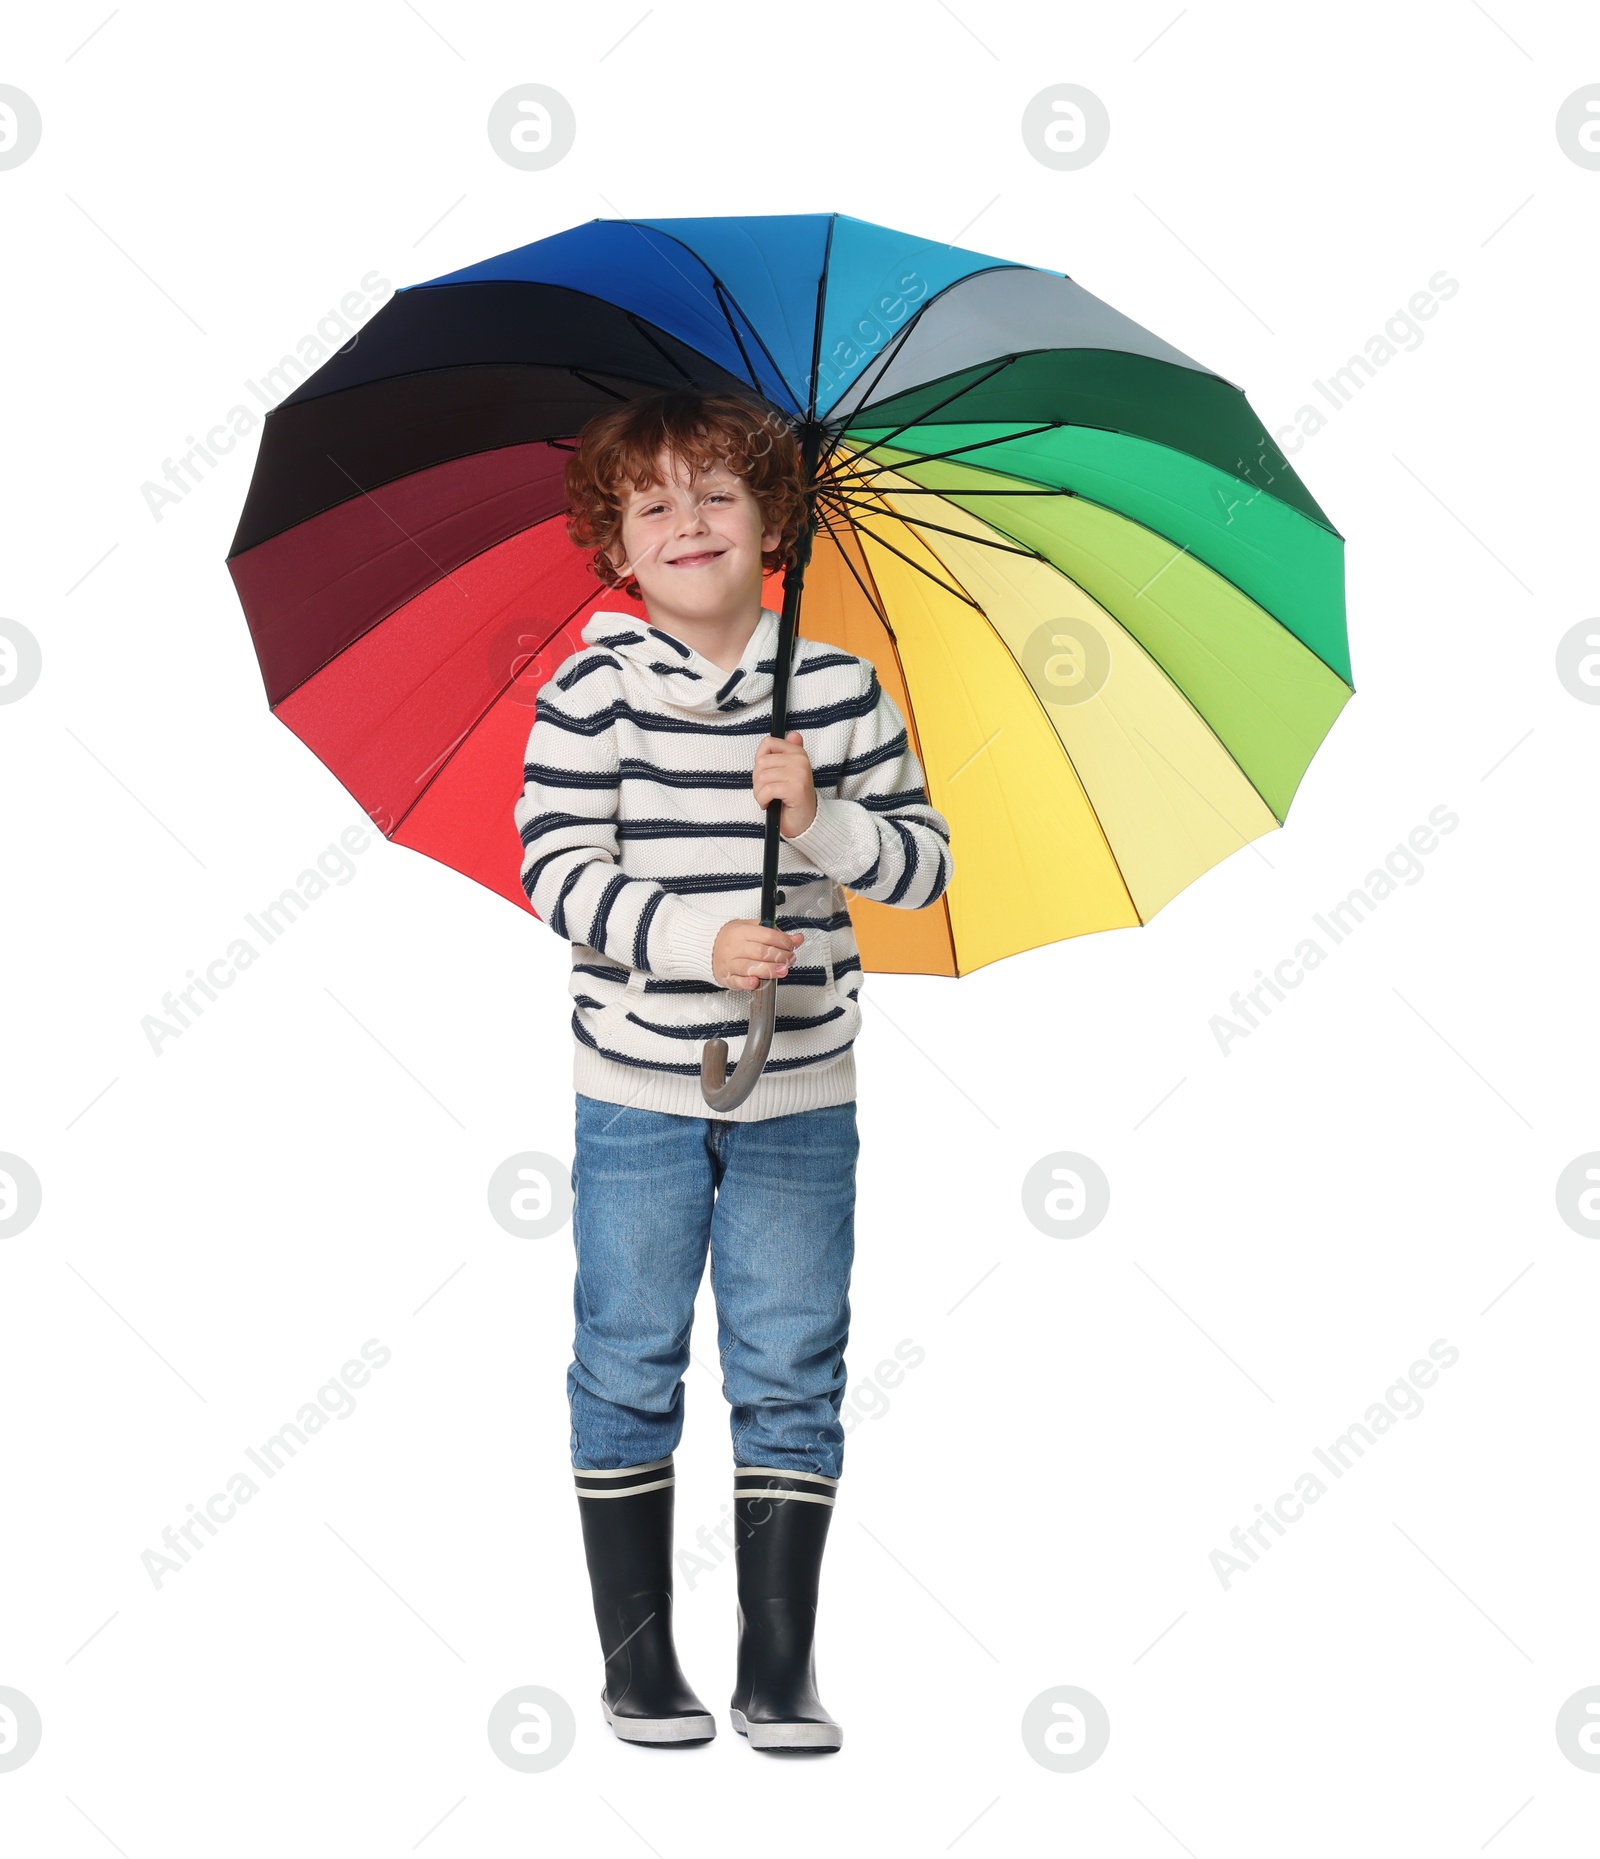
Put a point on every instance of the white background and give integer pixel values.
(1291, 1225)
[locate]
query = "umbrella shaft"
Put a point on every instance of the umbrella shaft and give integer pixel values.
(788, 626)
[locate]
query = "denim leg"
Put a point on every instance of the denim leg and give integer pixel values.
(782, 1244)
(643, 1183)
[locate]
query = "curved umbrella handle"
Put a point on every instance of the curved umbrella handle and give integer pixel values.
(719, 1090)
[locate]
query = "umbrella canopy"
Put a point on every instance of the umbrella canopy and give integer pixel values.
(1110, 612)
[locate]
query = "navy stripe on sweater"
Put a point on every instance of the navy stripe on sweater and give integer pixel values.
(631, 768)
(692, 1069)
(658, 721)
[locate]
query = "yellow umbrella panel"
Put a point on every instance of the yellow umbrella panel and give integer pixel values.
(1093, 755)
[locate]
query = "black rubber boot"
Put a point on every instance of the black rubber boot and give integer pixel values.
(782, 1528)
(627, 1538)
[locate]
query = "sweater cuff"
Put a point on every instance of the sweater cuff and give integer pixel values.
(842, 840)
(686, 937)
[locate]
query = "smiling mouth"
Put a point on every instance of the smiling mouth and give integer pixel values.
(699, 560)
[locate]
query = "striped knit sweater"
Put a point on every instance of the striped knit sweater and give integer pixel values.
(641, 836)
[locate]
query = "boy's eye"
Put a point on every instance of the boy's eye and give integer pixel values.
(653, 509)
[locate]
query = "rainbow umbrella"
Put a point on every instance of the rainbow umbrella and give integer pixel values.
(1109, 610)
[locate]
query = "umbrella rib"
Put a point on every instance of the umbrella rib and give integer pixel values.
(957, 451)
(716, 282)
(997, 523)
(897, 342)
(1183, 697)
(966, 387)
(949, 588)
(639, 228)
(725, 300)
(759, 340)
(932, 552)
(1105, 837)
(846, 514)
(918, 522)
(871, 598)
(1061, 743)
(665, 355)
(589, 381)
(816, 327)
(912, 729)
(725, 297)
(921, 490)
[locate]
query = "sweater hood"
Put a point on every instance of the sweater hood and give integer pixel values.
(676, 674)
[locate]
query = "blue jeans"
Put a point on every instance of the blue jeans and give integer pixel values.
(774, 1202)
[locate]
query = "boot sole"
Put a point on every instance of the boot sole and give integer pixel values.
(787, 1735)
(696, 1729)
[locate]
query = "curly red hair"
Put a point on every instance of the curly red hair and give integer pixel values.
(617, 453)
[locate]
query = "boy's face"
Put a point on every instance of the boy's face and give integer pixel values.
(693, 541)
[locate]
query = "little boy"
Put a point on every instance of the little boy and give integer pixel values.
(642, 825)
